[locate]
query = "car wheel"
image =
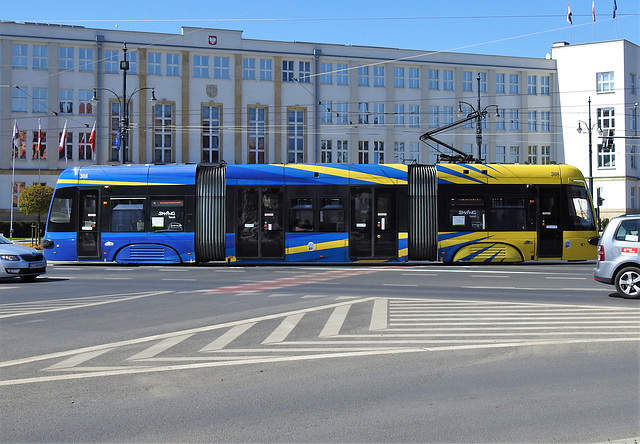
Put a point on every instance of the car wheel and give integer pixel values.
(628, 282)
(28, 278)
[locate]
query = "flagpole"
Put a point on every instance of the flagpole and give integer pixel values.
(15, 134)
(39, 147)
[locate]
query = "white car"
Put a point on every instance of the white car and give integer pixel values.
(19, 261)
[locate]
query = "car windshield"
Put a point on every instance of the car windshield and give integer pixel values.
(4, 240)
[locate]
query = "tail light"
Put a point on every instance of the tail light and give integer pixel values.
(600, 252)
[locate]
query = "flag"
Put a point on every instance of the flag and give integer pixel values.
(593, 10)
(15, 140)
(92, 138)
(569, 14)
(615, 8)
(117, 142)
(39, 138)
(63, 140)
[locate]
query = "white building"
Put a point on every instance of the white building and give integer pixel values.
(225, 98)
(607, 74)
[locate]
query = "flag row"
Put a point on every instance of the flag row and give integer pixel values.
(593, 11)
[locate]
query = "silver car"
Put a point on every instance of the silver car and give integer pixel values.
(20, 261)
(619, 256)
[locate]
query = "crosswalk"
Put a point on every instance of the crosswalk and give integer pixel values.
(347, 328)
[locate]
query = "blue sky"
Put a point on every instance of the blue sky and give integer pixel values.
(501, 27)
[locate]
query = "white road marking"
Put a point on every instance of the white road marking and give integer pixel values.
(158, 348)
(379, 315)
(286, 326)
(228, 337)
(334, 324)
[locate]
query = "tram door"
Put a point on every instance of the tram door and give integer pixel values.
(88, 239)
(373, 233)
(549, 223)
(259, 229)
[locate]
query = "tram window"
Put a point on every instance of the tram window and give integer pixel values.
(301, 214)
(466, 213)
(580, 216)
(167, 214)
(127, 215)
(332, 215)
(508, 214)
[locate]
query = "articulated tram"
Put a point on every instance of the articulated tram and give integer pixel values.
(333, 213)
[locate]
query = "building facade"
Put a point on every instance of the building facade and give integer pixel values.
(222, 98)
(603, 79)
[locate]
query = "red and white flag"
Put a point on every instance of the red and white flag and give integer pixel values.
(39, 139)
(92, 138)
(63, 140)
(569, 19)
(593, 10)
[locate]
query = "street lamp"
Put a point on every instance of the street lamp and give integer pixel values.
(480, 113)
(124, 101)
(589, 130)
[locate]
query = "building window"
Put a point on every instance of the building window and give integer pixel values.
(295, 136)
(248, 68)
(363, 151)
(40, 57)
(447, 115)
(532, 85)
(363, 113)
(378, 151)
(514, 154)
(221, 67)
(288, 74)
(266, 69)
(19, 58)
(414, 115)
(467, 81)
(545, 155)
(66, 101)
(447, 80)
(501, 154)
(84, 147)
(326, 116)
(343, 74)
(325, 151)
(532, 120)
(173, 65)
(398, 152)
(500, 123)
(465, 112)
(607, 149)
(378, 76)
(434, 118)
(154, 65)
(111, 61)
(40, 100)
(632, 84)
(67, 152)
(414, 78)
(342, 151)
(545, 85)
(18, 187)
(162, 134)
(500, 84)
(211, 133)
(532, 154)
(545, 121)
(634, 159)
(342, 113)
(304, 72)
(378, 113)
(85, 56)
(132, 58)
(326, 76)
(514, 123)
(66, 58)
(201, 67)
(433, 79)
(257, 135)
(483, 81)
(414, 152)
(363, 76)
(398, 77)
(632, 198)
(85, 105)
(398, 115)
(604, 82)
(39, 145)
(514, 84)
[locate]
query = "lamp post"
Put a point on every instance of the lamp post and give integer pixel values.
(480, 113)
(124, 101)
(589, 130)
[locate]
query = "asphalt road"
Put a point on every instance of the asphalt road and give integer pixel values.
(520, 353)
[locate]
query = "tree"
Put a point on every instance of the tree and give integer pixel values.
(36, 200)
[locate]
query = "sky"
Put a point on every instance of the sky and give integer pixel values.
(497, 27)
